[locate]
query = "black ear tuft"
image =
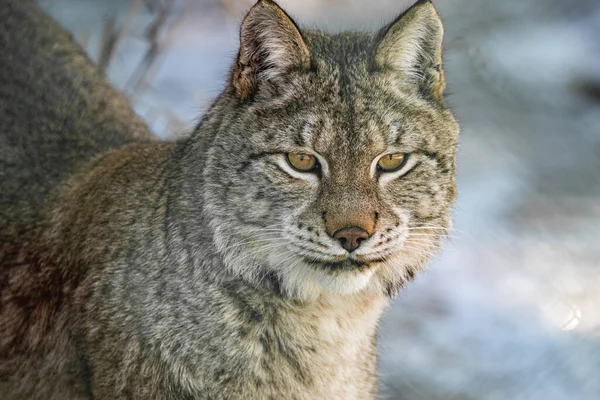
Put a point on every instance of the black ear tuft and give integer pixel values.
(270, 44)
(412, 45)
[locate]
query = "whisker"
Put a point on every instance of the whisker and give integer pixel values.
(440, 236)
(438, 227)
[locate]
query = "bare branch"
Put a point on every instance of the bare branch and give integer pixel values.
(113, 35)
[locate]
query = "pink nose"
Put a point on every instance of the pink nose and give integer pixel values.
(351, 237)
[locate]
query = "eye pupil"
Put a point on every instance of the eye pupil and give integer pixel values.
(302, 162)
(392, 162)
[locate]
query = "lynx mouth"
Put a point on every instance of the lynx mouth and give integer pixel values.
(348, 264)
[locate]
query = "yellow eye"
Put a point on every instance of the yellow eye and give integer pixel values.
(392, 162)
(302, 162)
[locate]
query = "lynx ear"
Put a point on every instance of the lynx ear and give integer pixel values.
(412, 45)
(270, 44)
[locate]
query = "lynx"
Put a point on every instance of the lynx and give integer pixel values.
(249, 260)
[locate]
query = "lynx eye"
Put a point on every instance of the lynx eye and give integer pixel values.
(302, 162)
(392, 162)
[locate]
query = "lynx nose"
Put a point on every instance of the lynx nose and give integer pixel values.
(351, 237)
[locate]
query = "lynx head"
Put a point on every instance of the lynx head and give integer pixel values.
(331, 158)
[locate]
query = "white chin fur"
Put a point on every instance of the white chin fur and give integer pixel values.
(306, 282)
(347, 282)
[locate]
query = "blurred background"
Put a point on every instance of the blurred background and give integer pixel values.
(511, 309)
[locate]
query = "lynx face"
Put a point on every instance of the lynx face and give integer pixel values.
(333, 165)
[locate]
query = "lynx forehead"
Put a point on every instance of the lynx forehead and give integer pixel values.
(335, 172)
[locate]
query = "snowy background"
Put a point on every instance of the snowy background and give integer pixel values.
(511, 309)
